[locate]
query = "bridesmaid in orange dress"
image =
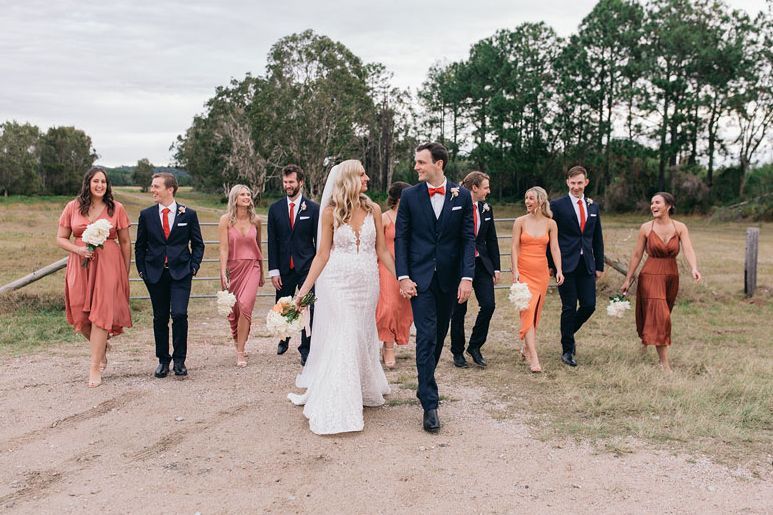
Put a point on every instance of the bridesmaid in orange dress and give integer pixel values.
(531, 235)
(393, 313)
(659, 277)
(96, 296)
(241, 263)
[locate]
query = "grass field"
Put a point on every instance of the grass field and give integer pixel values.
(718, 402)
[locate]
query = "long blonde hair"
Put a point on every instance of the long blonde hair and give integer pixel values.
(346, 193)
(231, 210)
(542, 200)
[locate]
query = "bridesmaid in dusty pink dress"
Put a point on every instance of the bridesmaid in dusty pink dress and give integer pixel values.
(241, 263)
(393, 313)
(96, 296)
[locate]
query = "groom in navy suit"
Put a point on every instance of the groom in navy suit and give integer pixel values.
(168, 253)
(582, 257)
(435, 263)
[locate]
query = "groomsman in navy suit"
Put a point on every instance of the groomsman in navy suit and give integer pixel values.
(435, 262)
(168, 253)
(487, 271)
(292, 244)
(582, 257)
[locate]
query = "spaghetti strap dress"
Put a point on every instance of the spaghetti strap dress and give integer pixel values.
(533, 269)
(657, 289)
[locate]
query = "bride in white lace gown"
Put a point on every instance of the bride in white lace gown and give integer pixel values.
(343, 371)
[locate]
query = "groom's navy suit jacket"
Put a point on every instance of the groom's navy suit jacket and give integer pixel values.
(183, 251)
(571, 240)
(298, 241)
(424, 244)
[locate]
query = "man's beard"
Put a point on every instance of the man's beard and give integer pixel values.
(292, 193)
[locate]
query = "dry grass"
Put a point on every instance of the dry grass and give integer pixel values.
(717, 402)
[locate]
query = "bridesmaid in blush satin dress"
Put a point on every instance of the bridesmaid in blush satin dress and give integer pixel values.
(659, 277)
(97, 295)
(393, 313)
(531, 235)
(241, 263)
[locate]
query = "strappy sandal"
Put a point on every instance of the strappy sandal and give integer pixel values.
(241, 360)
(388, 353)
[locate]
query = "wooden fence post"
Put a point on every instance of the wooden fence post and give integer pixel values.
(750, 265)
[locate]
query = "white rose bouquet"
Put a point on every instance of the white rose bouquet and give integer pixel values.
(520, 296)
(95, 235)
(225, 302)
(285, 318)
(617, 306)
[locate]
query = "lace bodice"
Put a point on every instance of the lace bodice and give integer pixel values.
(347, 241)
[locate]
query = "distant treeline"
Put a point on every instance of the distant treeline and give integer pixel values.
(647, 95)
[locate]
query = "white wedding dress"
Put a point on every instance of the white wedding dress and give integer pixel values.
(343, 372)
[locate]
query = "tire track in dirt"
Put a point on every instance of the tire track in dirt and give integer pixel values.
(72, 420)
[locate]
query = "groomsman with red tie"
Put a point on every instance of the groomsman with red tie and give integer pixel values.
(292, 244)
(487, 271)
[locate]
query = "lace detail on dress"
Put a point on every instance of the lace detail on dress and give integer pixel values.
(343, 372)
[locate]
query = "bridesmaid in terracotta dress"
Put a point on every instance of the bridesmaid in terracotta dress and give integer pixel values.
(393, 313)
(659, 277)
(241, 263)
(96, 296)
(531, 235)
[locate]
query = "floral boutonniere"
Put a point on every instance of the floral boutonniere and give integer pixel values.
(589, 201)
(486, 207)
(303, 206)
(454, 192)
(180, 210)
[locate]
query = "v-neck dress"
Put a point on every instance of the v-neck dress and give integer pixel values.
(657, 289)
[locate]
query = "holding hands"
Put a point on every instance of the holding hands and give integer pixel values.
(407, 288)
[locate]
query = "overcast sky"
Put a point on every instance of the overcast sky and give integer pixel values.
(132, 74)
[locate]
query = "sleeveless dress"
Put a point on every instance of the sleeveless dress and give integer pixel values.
(244, 271)
(99, 293)
(533, 267)
(343, 372)
(393, 313)
(657, 289)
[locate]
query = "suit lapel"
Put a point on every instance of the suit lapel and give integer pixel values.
(425, 201)
(446, 204)
(296, 214)
(570, 202)
(155, 221)
(177, 217)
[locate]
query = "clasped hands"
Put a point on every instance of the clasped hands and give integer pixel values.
(407, 288)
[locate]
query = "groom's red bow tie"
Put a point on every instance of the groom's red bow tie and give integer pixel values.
(437, 191)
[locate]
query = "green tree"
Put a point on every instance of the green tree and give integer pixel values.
(66, 154)
(143, 174)
(19, 159)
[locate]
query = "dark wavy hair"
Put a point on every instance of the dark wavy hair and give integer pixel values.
(395, 191)
(84, 197)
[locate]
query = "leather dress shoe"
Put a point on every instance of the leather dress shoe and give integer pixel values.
(282, 347)
(431, 421)
(568, 359)
(162, 370)
(477, 357)
(459, 361)
(180, 370)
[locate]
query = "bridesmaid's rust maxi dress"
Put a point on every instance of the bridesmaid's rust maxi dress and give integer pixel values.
(244, 272)
(393, 313)
(656, 293)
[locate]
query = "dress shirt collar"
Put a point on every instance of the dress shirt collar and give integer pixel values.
(172, 207)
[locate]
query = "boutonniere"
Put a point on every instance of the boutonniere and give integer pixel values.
(589, 201)
(486, 207)
(180, 210)
(454, 192)
(303, 206)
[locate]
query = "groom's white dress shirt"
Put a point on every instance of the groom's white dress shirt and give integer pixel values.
(577, 210)
(172, 212)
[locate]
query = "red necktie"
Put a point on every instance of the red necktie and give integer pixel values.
(292, 224)
(165, 225)
(475, 222)
(582, 215)
(433, 191)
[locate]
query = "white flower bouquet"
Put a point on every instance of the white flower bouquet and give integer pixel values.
(617, 306)
(225, 302)
(520, 296)
(95, 235)
(285, 319)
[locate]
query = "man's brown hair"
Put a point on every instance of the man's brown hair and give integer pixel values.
(474, 178)
(294, 169)
(576, 170)
(170, 181)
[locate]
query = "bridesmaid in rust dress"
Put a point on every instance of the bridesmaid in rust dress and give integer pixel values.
(241, 263)
(532, 233)
(96, 296)
(393, 313)
(659, 277)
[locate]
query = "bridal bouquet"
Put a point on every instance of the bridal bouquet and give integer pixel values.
(225, 302)
(285, 318)
(95, 235)
(520, 296)
(617, 306)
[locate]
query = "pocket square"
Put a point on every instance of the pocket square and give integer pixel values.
(455, 208)
(182, 225)
(487, 219)
(593, 214)
(303, 217)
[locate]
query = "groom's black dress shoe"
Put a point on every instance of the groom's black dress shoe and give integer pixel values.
(477, 357)
(162, 370)
(282, 347)
(459, 361)
(431, 421)
(568, 359)
(180, 370)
